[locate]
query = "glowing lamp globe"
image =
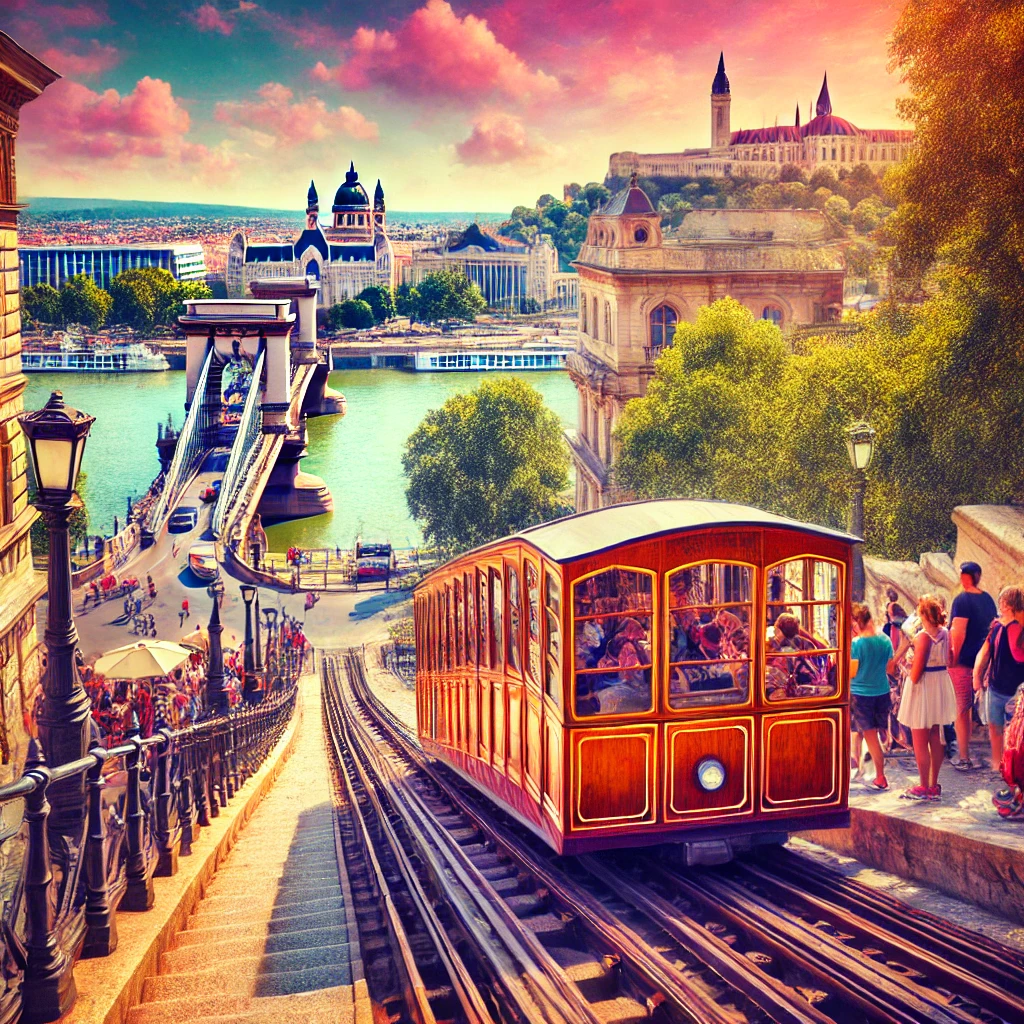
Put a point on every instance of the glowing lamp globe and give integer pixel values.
(56, 437)
(860, 443)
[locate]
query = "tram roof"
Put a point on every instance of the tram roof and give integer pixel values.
(588, 533)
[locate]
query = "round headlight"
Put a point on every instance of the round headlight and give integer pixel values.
(711, 774)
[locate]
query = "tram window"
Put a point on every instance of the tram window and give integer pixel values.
(710, 610)
(443, 617)
(612, 642)
(802, 640)
(533, 604)
(514, 615)
(553, 617)
(497, 632)
(482, 622)
(460, 640)
(470, 624)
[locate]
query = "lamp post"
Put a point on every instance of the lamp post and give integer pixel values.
(56, 436)
(216, 699)
(860, 444)
(257, 650)
(249, 662)
(270, 614)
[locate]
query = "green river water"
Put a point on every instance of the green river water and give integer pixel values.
(358, 455)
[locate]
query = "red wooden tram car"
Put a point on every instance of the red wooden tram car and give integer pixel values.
(657, 671)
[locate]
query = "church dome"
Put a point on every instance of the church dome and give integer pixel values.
(351, 193)
(828, 124)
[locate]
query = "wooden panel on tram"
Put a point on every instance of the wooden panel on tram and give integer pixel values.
(533, 743)
(554, 783)
(613, 772)
(472, 719)
(485, 720)
(741, 545)
(691, 751)
(515, 732)
(801, 759)
(499, 721)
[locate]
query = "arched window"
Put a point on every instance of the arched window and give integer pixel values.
(772, 313)
(607, 322)
(583, 314)
(663, 327)
(593, 318)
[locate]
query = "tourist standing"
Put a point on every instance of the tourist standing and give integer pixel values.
(971, 616)
(999, 670)
(869, 692)
(929, 700)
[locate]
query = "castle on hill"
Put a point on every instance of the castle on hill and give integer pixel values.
(826, 140)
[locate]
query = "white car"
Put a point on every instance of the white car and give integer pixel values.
(202, 560)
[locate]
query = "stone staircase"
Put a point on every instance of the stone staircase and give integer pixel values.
(269, 942)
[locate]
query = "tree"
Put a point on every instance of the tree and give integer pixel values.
(381, 302)
(595, 194)
(869, 214)
(961, 185)
(448, 295)
(838, 209)
(823, 177)
(144, 297)
(529, 305)
(485, 464)
(84, 302)
(406, 300)
(42, 304)
(545, 200)
(790, 172)
(352, 313)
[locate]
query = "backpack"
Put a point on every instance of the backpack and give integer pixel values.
(1013, 748)
(1005, 673)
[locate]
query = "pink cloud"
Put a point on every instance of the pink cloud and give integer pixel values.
(98, 59)
(208, 19)
(499, 138)
(435, 53)
(275, 119)
(76, 16)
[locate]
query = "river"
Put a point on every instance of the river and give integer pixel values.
(359, 455)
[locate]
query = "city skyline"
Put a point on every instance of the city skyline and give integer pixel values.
(454, 106)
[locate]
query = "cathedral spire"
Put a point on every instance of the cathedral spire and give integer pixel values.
(378, 196)
(798, 115)
(824, 104)
(720, 86)
(312, 200)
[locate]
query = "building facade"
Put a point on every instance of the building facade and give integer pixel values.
(54, 264)
(507, 273)
(826, 140)
(22, 79)
(352, 253)
(636, 285)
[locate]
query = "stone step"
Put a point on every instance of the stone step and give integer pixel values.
(278, 974)
(292, 891)
(314, 1007)
(200, 956)
(236, 910)
(214, 928)
(269, 900)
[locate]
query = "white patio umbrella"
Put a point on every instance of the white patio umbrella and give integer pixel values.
(143, 660)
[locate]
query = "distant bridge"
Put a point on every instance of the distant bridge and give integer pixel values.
(276, 332)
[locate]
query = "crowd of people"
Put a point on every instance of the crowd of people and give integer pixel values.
(920, 683)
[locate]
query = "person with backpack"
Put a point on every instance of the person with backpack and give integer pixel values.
(999, 669)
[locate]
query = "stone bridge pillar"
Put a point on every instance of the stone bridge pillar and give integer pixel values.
(197, 344)
(276, 397)
(301, 292)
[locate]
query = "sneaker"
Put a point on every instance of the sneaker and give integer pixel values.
(935, 793)
(915, 793)
(965, 764)
(1005, 797)
(1014, 811)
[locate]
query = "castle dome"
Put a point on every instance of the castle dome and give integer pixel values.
(351, 193)
(829, 124)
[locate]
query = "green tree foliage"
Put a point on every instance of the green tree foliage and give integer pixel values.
(960, 188)
(352, 313)
(78, 522)
(145, 297)
(485, 464)
(565, 223)
(380, 300)
(84, 302)
(448, 295)
(41, 304)
(731, 413)
(406, 300)
(838, 209)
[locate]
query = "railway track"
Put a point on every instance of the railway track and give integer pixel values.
(629, 935)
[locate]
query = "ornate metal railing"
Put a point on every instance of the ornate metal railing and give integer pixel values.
(193, 443)
(244, 451)
(145, 803)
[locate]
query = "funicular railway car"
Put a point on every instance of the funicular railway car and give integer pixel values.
(669, 670)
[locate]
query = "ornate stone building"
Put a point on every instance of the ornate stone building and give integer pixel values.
(22, 79)
(636, 284)
(351, 254)
(826, 140)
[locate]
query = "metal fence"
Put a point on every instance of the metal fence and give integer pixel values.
(143, 805)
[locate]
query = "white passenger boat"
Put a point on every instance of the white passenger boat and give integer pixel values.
(79, 355)
(536, 355)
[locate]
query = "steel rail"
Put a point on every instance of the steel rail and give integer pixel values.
(524, 968)
(416, 990)
(777, 1000)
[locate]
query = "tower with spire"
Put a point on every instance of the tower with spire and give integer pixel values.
(721, 100)
(312, 207)
(824, 105)
(379, 212)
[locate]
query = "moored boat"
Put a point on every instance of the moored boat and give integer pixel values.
(77, 354)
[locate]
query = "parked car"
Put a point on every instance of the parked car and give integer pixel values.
(183, 519)
(202, 560)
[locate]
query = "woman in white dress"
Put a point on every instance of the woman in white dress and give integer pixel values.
(929, 701)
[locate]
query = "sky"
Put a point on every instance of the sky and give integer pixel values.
(455, 106)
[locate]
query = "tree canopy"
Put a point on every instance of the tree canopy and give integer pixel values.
(84, 302)
(352, 313)
(146, 297)
(447, 295)
(485, 464)
(41, 304)
(380, 300)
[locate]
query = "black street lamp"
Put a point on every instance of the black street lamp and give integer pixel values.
(216, 698)
(248, 662)
(860, 444)
(56, 436)
(257, 652)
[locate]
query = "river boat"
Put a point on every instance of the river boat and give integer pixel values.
(536, 355)
(77, 354)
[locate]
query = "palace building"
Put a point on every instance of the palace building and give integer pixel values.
(636, 284)
(350, 254)
(826, 140)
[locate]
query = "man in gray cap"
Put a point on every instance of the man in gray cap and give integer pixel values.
(970, 617)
